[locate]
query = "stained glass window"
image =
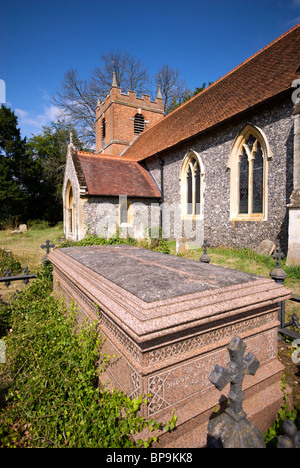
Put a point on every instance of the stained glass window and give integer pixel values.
(70, 210)
(251, 177)
(258, 181)
(189, 191)
(123, 213)
(244, 181)
(193, 188)
(197, 176)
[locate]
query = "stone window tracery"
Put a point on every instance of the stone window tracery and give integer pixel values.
(248, 163)
(191, 185)
(70, 209)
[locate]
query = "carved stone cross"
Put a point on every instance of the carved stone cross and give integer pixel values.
(205, 258)
(205, 245)
(48, 246)
(278, 274)
(26, 272)
(7, 273)
(234, 372)
(278, 255)
(232, 429)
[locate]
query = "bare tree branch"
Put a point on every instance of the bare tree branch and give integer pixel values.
(78, 98)
(173, 87)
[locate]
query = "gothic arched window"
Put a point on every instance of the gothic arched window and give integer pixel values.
(248, 163)
(70, 212)
(191, 174)
(123, 213)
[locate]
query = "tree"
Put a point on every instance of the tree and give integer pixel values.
(185, 96)
(48, 150)
(78, 104)
(172, 86)
(130, 74)
(12, 162)
(77, 98)
(31, 172)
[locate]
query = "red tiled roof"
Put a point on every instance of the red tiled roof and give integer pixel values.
(264, 75)
(113, 176)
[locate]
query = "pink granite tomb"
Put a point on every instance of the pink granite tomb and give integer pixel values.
(168, 321)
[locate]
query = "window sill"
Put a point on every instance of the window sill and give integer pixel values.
(252, 217)
(192, 217)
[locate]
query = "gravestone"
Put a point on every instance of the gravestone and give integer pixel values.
(23, 228)
(168, 321)
(181, 245)
(266, 247)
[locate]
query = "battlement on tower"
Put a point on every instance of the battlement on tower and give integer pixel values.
(121, 117)
(129, 99)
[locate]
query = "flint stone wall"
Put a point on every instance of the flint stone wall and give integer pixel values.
(102, 216)
(214, 147)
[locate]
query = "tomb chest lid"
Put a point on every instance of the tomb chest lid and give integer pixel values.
(151, 294)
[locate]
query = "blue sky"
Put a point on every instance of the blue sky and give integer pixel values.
(41, 39)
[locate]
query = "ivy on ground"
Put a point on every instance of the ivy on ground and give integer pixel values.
(49, 393)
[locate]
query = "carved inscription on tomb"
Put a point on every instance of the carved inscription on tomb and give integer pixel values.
(181, 382)
(185, 380)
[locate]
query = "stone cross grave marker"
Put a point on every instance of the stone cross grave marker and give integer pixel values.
(48, 246)
(231, 429)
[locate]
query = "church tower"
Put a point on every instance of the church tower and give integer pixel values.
(121, 117)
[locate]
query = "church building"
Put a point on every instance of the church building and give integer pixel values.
(224, 166)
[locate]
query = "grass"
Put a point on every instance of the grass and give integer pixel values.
(26, 248)
(250, 262)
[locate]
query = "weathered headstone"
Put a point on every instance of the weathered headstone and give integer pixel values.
(181, 245)
(266, 247)
(23, 228)
(168, 321)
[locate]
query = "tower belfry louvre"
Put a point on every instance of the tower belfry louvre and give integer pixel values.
(121, 117)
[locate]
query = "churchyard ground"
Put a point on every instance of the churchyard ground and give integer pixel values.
(26, 247)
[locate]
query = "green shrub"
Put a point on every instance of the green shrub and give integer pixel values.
(158, 244)
(272, 434)
(292, 271)
(37, 224)
(54, 399)
(8, 260)
(248, 254)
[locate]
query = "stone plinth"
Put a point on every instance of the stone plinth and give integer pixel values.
(168, 320)
(293, 257)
